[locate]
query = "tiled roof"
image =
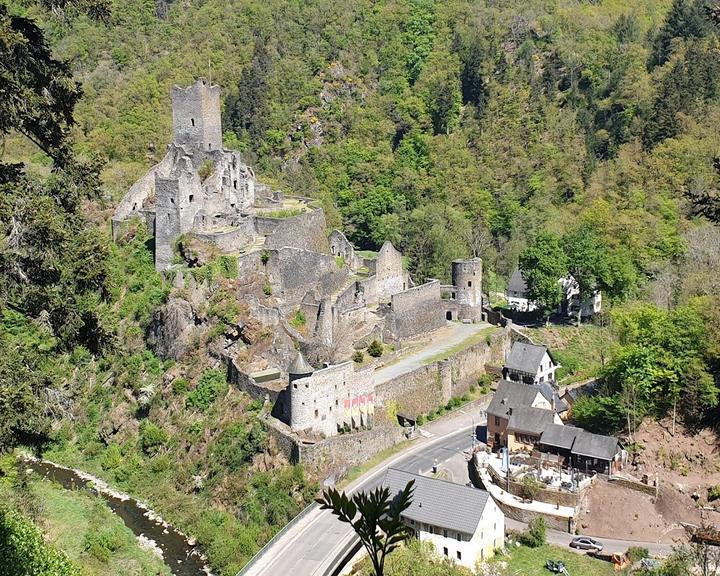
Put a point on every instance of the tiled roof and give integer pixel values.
(439, 502)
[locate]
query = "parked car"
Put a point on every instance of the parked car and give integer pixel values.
(586, 543)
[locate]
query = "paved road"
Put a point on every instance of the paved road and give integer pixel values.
(309, 546)
(453, 334)
(610, 545)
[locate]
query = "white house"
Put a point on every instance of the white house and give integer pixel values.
(530, 364)
(463, 523)
(517, 297)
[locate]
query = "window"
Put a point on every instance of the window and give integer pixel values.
(459, 537)
(191, 197)
(445, 551)
(444, 533)
(316, 413)
(497, 421)
(469, 283)
(295, 386)
(459, 555)
(235, 184)
(192, 121)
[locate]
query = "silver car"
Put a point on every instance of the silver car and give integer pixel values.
(586, 543)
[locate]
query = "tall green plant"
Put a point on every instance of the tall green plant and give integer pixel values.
(375, 517)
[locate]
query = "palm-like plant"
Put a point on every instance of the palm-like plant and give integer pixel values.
(378, 522)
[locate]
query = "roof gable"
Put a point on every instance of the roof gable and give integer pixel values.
(439, 502)
(512, 395)
(527, 358)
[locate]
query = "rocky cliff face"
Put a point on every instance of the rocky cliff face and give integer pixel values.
(172, 328)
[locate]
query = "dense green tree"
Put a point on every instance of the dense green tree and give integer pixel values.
(542, 264)
(686, 19)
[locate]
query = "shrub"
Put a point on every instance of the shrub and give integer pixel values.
(206, 168)
(340, 261)
(264, 257)
(267, 289)
(637, 553)
(180, 385)
(530, 487)
(212, 384)
(375, 349)
(151, 437)
(298, 320)
(484, 382)
(358, 357)
(534, 536)
(713, 493)
(102, 543)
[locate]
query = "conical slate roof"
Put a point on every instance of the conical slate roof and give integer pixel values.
(300, 366)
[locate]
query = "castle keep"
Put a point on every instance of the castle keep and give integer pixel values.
(204, 196)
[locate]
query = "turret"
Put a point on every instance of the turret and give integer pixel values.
(299, 368)
(467, 279)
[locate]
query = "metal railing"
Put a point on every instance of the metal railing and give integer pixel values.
(280, 533)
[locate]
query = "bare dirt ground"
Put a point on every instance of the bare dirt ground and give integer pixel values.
(686, 465)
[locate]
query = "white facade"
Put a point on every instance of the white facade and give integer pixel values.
(466, 549)
(516, 296)
(545, 372)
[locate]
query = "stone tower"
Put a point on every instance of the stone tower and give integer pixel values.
(467, 279)
(299, 368)
(196, 116)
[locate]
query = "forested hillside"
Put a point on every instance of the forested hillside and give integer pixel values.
(452, 128)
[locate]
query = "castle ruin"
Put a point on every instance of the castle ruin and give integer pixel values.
(200, 192)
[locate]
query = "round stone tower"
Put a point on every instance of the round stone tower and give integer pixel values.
(467, 279)
(299, 396)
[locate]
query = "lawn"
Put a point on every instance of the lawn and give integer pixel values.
(524, 561)
(580, 351)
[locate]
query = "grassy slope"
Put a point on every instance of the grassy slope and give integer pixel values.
(531, 562)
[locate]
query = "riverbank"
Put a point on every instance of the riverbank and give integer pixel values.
(154, 534)
(79, 524)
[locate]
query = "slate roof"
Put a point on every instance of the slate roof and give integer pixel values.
(559, 436)
(526, 357)
(530, 420)
(551, 395)
(511, 395)
(439, 502)
(517, 283)
(300, 366)
(588, 389)
(595, 445)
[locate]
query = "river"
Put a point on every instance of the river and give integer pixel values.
(178, 551)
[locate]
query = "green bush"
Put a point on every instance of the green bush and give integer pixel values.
(375, 349)
(267, 289)
(180, 385)
(637, 553)
(24, 551)
(714, 493)
(535, 534)
(358, 357)
(211, 386)
(101, 543)
(530, 487)
(206, 168)
(151, 437)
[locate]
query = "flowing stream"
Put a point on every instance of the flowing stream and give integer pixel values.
(178, 551)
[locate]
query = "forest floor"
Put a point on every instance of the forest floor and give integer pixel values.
(686, 466)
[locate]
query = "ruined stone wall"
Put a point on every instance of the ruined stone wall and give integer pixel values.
(416, 311)
(294, 272)
(333, 457)
(368, 287)
(390, 276)
(340, 246)
(332, 397)
(238, 237)
(306, 231)
(347, 298)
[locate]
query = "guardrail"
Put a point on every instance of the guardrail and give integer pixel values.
(280, 533)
